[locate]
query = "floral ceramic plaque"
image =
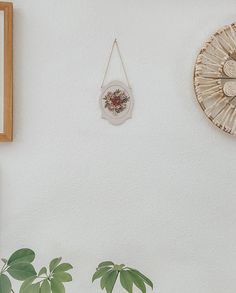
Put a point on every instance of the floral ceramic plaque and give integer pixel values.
(116, 102)
(116, 99)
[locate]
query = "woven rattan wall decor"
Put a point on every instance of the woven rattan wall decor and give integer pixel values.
(215, 78)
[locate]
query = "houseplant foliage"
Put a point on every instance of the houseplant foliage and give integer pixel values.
(18, 267)
(108, 273)
(47, 280)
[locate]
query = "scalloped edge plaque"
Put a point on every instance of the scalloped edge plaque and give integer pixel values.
(116, 102)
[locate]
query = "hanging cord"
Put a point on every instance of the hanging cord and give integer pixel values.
(115, 43)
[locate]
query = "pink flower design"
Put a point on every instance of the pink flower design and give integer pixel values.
(116, 101)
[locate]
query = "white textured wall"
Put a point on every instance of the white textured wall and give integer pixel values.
(158, 192)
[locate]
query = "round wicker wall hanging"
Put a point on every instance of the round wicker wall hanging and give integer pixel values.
(215, 78)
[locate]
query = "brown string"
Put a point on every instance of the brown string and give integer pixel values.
(115, 43)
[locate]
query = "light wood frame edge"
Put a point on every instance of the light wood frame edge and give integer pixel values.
(7, 134)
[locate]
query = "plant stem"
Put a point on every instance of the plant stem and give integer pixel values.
(4, 268)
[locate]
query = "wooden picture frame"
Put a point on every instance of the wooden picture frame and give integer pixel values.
(6, 133)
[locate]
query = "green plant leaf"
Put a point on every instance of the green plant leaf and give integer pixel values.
(105, 264)
(45, 287)
(63, 267)
(4, 260)
(104, 279)
(110, 281)
(57, 287)
(42, 271)
(62, 277)
(26, 284)
(35, 288)
(32, 288)
(5, 284)
(145, 279)
(138, 281)
(100, 272)
(126, 281)
(21, 255)
(21, 271)
(54, 263)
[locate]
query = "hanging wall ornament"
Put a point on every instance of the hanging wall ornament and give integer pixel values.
(215, 78)
(116, 98)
